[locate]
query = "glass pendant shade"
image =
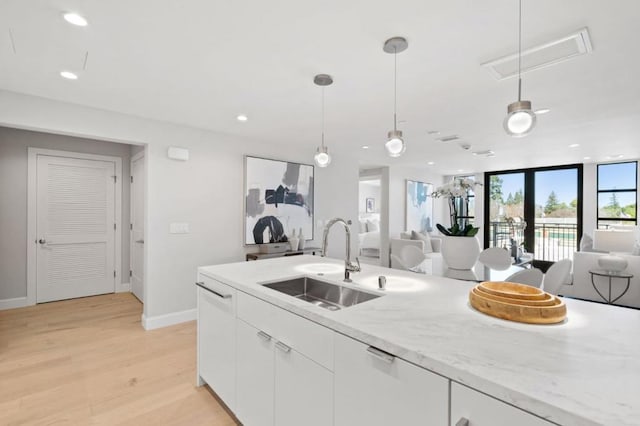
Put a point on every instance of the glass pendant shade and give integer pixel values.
(520, 119)
(322, 157)
(395, 145)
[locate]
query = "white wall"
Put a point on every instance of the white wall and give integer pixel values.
(13, 199)
(368, 191)
(394, 181)
(206, 191)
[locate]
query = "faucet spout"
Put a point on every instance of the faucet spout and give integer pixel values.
(349, 266)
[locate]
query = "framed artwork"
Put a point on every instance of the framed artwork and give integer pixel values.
(278, 199)
(371, 205)
(419, 207)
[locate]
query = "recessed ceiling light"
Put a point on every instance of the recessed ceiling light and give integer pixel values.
(75, 19)
(460, 170)
(586, 158)
(542, 111)
(574, 145)
(68, 75)
(242, 117)
(611, 157)
(430, 163)
(365, 146)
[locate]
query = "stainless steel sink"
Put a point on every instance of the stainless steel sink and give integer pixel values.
(326, 295)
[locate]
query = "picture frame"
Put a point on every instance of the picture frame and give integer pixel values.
(278, 199)
(370, 205)
(419, 206)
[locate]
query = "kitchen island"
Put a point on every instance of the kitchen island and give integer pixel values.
(585, 371)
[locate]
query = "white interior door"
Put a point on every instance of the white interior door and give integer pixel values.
(137, 227)
(75, 214)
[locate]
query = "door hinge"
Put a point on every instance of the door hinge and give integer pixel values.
(115, 179)
(114, 274)
(131, 226)
(114, 226)
(131, 179)
(130, 273)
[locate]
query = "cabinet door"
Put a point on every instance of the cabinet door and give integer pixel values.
(374, 389)
(303, 389)
(472, 408)
(217, 341)
(255, 399)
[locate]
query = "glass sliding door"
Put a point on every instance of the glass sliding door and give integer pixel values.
(506, 210)
(556, 214)
(537, 210)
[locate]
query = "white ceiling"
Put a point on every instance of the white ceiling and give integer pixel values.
(202, 62)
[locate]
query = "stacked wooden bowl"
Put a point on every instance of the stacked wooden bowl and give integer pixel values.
(517, 302)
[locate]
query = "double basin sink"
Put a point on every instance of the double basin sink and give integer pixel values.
(320, 293)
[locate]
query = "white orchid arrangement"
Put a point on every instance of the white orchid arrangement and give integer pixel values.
(457, 188)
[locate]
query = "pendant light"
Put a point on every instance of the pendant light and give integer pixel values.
(520, 119)
(395, 145)
(322, 157)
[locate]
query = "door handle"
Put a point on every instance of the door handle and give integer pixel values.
(382, 355)
(264, 336)
(220, 295)
(284, 348)
(140, 241)
(42, 241)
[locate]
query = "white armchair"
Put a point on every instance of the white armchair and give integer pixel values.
(436, 243)
(398, 244)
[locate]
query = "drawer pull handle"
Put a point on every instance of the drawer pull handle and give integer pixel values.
(284, 348)
(220, 295)
(264, 336)
(382, 355)
(463, 422)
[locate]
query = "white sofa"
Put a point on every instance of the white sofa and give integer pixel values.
(583, 289)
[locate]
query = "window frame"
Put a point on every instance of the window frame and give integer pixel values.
(470, 218)
(617, 190)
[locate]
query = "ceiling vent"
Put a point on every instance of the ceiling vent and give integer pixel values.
(541, 56)
(449, 138)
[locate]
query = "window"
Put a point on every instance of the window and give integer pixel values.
(617, 194)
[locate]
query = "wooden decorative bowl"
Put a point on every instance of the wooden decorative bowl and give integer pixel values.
(512, 290)
(504, 303)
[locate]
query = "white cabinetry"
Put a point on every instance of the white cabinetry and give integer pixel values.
(217, 338)
(472, 408)
(375, 388)
(284, 367)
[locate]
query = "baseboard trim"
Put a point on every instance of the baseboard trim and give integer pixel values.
(17, 302)
(159, 321)
(123, 287)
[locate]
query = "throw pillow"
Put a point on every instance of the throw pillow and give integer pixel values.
(586, 242)
(363, 226)
(373, 226)
(423, 237)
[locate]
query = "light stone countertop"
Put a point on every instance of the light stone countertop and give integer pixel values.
(585, 371)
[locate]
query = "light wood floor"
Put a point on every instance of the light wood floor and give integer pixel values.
(89, 362)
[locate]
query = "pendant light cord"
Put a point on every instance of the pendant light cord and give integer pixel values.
(395, 87)
(323, 117)
(519, 50)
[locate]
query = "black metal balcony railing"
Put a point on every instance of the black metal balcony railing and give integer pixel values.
(553, 241)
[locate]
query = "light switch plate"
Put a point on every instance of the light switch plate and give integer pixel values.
(179, 228)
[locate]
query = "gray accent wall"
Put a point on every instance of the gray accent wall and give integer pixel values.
(13, 199)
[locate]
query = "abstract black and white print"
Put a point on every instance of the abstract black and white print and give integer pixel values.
(419, 209)
(278, 200)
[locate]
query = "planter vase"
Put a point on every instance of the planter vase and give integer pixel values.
(460, 252)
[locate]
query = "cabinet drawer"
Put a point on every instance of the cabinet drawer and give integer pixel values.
(216, 290)
(306, 337)
(481, 410)
(258, 313)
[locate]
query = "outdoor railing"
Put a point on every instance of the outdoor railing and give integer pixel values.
(553, 241)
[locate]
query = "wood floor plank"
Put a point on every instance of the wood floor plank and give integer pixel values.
(88, 361)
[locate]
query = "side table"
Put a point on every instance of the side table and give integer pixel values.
(610, 275)
(258, 256)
